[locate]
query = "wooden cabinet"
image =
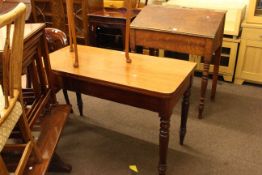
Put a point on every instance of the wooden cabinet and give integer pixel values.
(249, 65)
(254, 14)
(228, 59)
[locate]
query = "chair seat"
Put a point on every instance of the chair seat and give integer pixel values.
(8, 124)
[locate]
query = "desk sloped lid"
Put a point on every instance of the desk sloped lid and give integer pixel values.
(179, 20)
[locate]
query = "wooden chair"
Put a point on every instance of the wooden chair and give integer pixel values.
(11, 105)
(57, 39)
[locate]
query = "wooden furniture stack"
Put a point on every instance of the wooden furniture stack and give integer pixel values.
(249, 65)
(234, 17)
(11, 101)
(46, 118)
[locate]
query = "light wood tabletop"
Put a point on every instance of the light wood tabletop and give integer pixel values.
(151, 83)
(146, 73)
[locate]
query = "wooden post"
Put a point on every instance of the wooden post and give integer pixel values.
(128, 14)
(71, 30)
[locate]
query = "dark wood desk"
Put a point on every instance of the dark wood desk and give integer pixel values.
(155, 84)
(32, 35)
(110, 19)
(36, 60)
(185, 30)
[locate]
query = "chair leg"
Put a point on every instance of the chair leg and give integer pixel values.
(66, 97)
(28, 79)
(3, 169)
(26, 133)
(79, 103)
(23, 161)
(29, 138)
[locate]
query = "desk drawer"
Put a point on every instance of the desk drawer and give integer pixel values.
(252, 33)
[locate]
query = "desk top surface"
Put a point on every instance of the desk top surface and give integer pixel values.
(145, 73)
(178, 20)
(30, 30)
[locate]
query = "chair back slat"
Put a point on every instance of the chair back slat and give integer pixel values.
(6, 72)
(13, 22)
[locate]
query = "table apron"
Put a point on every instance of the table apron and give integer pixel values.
(169, 41)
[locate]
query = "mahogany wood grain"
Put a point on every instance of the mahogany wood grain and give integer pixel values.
(51, 126)
(150, 83)
(185, 30)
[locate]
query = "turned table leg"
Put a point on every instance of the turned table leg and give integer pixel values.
(215, 74)
(184, 112)
(163, 142)
(204, 86)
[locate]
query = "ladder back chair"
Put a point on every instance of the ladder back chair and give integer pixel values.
(11, 105)
(57, 39)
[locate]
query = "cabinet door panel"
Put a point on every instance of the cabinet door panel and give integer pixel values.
(249, 65)
(253, 55)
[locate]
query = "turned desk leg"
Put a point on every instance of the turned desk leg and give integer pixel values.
(204, 86)
(163, 142)
(215, 74)
(184, 112)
